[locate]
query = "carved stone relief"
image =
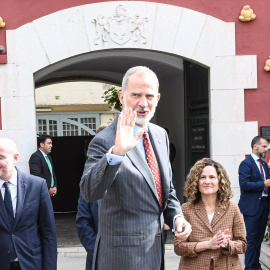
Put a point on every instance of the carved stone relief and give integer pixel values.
(120, 28)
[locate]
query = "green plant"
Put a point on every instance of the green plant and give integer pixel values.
(111, 96)
(267, 234)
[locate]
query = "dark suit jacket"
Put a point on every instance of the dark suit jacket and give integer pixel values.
(33, 233)
(252, 186)
(39, 167)
(227, 216)
(87, 227)
(130, 233)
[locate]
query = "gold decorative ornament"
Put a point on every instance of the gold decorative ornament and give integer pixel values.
(247, 14)
(267, 68)
(2, 24)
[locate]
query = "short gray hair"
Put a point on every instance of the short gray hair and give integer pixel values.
(141, 71)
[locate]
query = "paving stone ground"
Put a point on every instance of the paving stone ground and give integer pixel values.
(71, 254)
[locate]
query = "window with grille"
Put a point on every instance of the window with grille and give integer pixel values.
(42, 126)
(53, 128)
(89, 122)
(82, 124)
(70, 129)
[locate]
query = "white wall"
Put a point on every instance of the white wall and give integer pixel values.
(71, 93)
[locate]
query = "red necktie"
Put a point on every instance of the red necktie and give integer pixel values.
(152, 163)
(260, 161)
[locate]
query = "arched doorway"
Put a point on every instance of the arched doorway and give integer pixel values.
(94, 66)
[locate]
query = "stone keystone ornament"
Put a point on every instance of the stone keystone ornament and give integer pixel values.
(120, 28)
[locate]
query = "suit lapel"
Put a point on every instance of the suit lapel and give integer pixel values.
(266, 169)
(45, 164)
(255, 167)
(136, 158)
(219, 213)
(202, 215)
(21, 191)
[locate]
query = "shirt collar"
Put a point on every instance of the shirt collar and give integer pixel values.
(254, 157)
(136, 129)
(12, 180)
(42, 153)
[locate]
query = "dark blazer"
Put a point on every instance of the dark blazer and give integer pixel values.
(227, 216)
(252, 186)
(130, 233)
(33, 233)
(39, 167)
(87, 227)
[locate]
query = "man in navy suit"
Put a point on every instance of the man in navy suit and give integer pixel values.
(87, 220)
(41, 165)
(27, 227)
(254, 200)
(87, 227)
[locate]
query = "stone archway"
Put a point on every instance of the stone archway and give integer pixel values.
(156, 27)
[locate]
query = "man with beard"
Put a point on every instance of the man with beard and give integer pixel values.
(254, 200)
(128, 168)
(27, 227)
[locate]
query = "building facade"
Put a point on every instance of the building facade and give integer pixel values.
(214, 88)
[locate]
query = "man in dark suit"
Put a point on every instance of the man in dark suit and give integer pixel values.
(87, 220)
(254, 183)
(128, 167)
(41, 165)
(87, 227)
(27, 227)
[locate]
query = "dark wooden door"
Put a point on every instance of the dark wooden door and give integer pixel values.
(196, 113)
(68, 161)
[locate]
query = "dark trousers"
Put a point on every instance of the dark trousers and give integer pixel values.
(15, 266)
(255, 228)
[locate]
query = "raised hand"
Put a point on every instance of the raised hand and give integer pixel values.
(125, 140)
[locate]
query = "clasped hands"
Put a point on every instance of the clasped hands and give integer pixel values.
(219, 240)
(52, 191)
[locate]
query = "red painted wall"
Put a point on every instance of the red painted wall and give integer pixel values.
(251, 38)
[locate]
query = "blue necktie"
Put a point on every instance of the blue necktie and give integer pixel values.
(8, 203)
(9, 209)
